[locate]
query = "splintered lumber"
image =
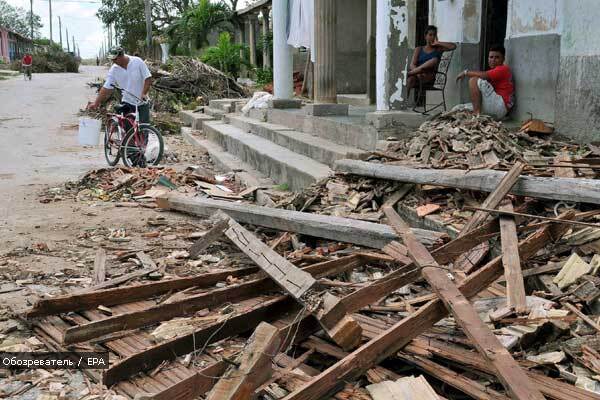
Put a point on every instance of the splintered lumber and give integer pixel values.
(161, 312)
(512, 377)
(341, 328)
(404, 388)
(149, 267)
(209, 237)
(468, 386)
(583, 317)
(510, 374)
(128, 294)
(322, 226)
(392, 340)
(239, 323)
(291, 278)
(231, 325)
(540, 217)
(254, 366)
(494, 199)
(515, 287)
(551, 388)
(566, 189)
(99, 266)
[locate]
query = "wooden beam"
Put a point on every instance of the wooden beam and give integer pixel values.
(530, 216)
(550, 387)
(161, 312)
(254, 369)
(515, 287)
(567, 189)
(322, 226)
(128, 294)
(209, 237)
(510, 374)
(494, 199)
(291, 278)
(235, 324)
(392, 340)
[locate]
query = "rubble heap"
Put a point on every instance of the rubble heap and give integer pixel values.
(461, 140)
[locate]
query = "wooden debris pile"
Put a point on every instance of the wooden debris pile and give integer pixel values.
(124, 184)
(462, 140)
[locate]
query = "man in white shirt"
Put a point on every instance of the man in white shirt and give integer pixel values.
(129, 73)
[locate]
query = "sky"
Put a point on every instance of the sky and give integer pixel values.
(79, 17)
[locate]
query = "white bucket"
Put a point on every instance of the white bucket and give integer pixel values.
(89, 131)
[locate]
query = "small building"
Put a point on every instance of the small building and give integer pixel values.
(13, 46)
(363, 48)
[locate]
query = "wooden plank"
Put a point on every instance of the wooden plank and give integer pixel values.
(149, 265)
(340, 327)
(515, 287)
(549, 219)
(392, 340)
(254, 366)
(235, 324)
(459, 381)
(550, 387)
(291, 278)
(347, 230)
(583, 317)
(512, 377)
(567, 189)
(99, 266)
(127, 294)
(494, 199)
(188, 305)
(510, 374)
(209, 237)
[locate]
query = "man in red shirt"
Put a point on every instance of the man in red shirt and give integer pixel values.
(492, 91)
(27, 61)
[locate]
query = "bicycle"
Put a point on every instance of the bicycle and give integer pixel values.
(139, 144)
(26, 71)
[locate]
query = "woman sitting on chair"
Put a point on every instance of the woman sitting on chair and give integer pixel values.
(426, 58)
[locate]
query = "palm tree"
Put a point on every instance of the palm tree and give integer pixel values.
(197, 23)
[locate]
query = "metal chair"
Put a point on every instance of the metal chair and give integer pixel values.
(437, 85)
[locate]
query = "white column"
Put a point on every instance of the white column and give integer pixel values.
(282, 52)
(381, 48)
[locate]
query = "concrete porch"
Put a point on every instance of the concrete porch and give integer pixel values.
(289, 146)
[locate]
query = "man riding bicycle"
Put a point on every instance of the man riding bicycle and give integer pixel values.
(132, 74)
(27, 63)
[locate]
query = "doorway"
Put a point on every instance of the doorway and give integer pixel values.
(422, 21)
(493, 27)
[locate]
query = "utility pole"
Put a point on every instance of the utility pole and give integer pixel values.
(31, 17)
(68, 48)
(50, 10)
(148, 11)
(73, 43)
(60, 32)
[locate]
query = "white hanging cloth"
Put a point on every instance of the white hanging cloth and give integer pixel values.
(302, 23)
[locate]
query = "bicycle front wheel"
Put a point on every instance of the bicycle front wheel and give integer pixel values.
(112, 142)
(142, 148)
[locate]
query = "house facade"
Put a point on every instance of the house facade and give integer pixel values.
(12, 45)
(364, 47)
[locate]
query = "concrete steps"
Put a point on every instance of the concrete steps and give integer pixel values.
(317, 148)
(194, 119)
(345, 131)
(226, 162)
(280, 164)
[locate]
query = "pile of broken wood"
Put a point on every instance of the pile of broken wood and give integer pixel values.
(357, 309)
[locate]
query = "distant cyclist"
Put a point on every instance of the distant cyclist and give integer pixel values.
(27, 62)
(132, 74)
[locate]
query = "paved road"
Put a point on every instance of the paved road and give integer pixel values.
(38, 143)
(38, 132)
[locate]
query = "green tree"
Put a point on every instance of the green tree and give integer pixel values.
(226, 56)
(17, 20)
(197, 23)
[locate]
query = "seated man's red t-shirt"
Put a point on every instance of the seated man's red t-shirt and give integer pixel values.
(502, 80)
(27, 60)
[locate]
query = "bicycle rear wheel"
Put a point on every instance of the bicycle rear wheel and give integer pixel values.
(142, 148)
(112, 142)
